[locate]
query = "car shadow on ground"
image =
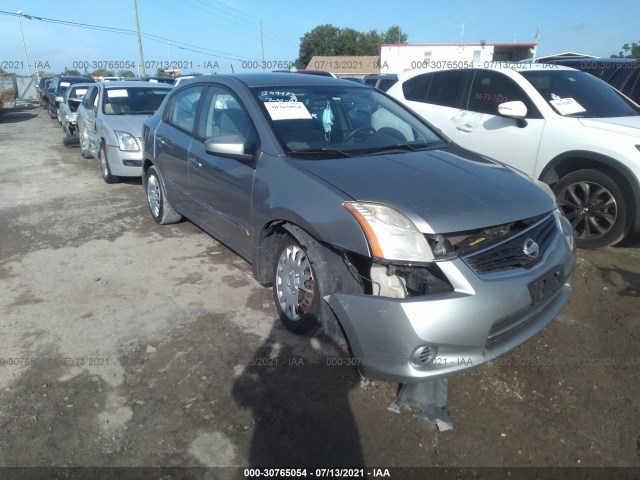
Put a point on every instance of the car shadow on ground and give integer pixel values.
(15, 117)
(301, 410)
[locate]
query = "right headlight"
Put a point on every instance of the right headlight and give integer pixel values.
(127, 142)
(391, 235)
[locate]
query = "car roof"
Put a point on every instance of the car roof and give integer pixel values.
(593, 61)
(76, 79)
(135, 84)
(505, 67)
(272, 78)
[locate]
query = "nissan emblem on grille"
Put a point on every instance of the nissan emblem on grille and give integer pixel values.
(531, 248)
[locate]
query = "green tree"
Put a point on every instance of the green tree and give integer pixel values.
(330, 40)
(126, 74)
(394, 35)
(103, 72)
(629, 51)
(2, 73)
(71, 72)
(161, 73)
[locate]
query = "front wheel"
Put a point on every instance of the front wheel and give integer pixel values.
(595, 205)
(52, 114)
(295, 288)
(104, 166)
(306, 272)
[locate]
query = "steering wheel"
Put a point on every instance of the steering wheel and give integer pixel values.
(359, 131)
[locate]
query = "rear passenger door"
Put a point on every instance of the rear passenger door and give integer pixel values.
(221, 187)
(436, 97)
(172, 140)
(480, 128)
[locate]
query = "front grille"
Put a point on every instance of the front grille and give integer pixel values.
(509, 254)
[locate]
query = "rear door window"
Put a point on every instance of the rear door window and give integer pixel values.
(183, 108)
(446, 88)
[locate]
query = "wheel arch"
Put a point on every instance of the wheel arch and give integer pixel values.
(575, 160)
(266, 246)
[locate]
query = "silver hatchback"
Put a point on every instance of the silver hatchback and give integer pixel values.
(424, 258)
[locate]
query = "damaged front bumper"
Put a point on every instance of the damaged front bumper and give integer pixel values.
(408, 340)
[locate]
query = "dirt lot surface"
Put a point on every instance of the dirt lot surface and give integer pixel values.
(126, 343)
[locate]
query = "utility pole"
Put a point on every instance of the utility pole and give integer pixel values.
(135, 14)
(262, 45)
(24, 45)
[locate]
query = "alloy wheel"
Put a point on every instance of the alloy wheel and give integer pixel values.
(590, 207)
(153, 195)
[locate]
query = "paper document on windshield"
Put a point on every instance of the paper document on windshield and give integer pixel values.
(122, 92)
(567, 106)
(287, 110)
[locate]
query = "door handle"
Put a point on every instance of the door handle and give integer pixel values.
(195, 160)
(465, 128)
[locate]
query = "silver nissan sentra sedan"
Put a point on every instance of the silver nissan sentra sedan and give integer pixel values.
(423, 258)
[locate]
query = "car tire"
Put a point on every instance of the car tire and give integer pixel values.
(84, 151)
(161, 210)
(52, 114)
(595, 205)
(104, 166)
(303, 274)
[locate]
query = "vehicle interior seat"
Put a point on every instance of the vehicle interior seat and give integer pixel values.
(116, 108)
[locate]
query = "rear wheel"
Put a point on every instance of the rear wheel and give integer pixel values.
(595, 205)
(161, 210)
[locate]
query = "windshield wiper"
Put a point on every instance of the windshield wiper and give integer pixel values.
(320, 152)
(403, 147)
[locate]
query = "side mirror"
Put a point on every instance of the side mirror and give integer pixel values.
(230, 146)
(516, 109)
(60, 99)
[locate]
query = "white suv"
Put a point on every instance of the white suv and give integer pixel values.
(556, 124)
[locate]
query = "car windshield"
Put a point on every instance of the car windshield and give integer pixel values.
(338, 121)
(579, 94)
(77, 92)
(132, 100)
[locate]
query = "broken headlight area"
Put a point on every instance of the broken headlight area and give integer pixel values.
(400, 281)
(459, 244)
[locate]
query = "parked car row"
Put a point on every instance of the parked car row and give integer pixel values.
(105, 118)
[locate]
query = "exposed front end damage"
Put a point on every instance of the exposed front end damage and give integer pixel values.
(424, 322)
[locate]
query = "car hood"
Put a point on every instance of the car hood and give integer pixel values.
(125, 123)
(441, 191)
(626, 125)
